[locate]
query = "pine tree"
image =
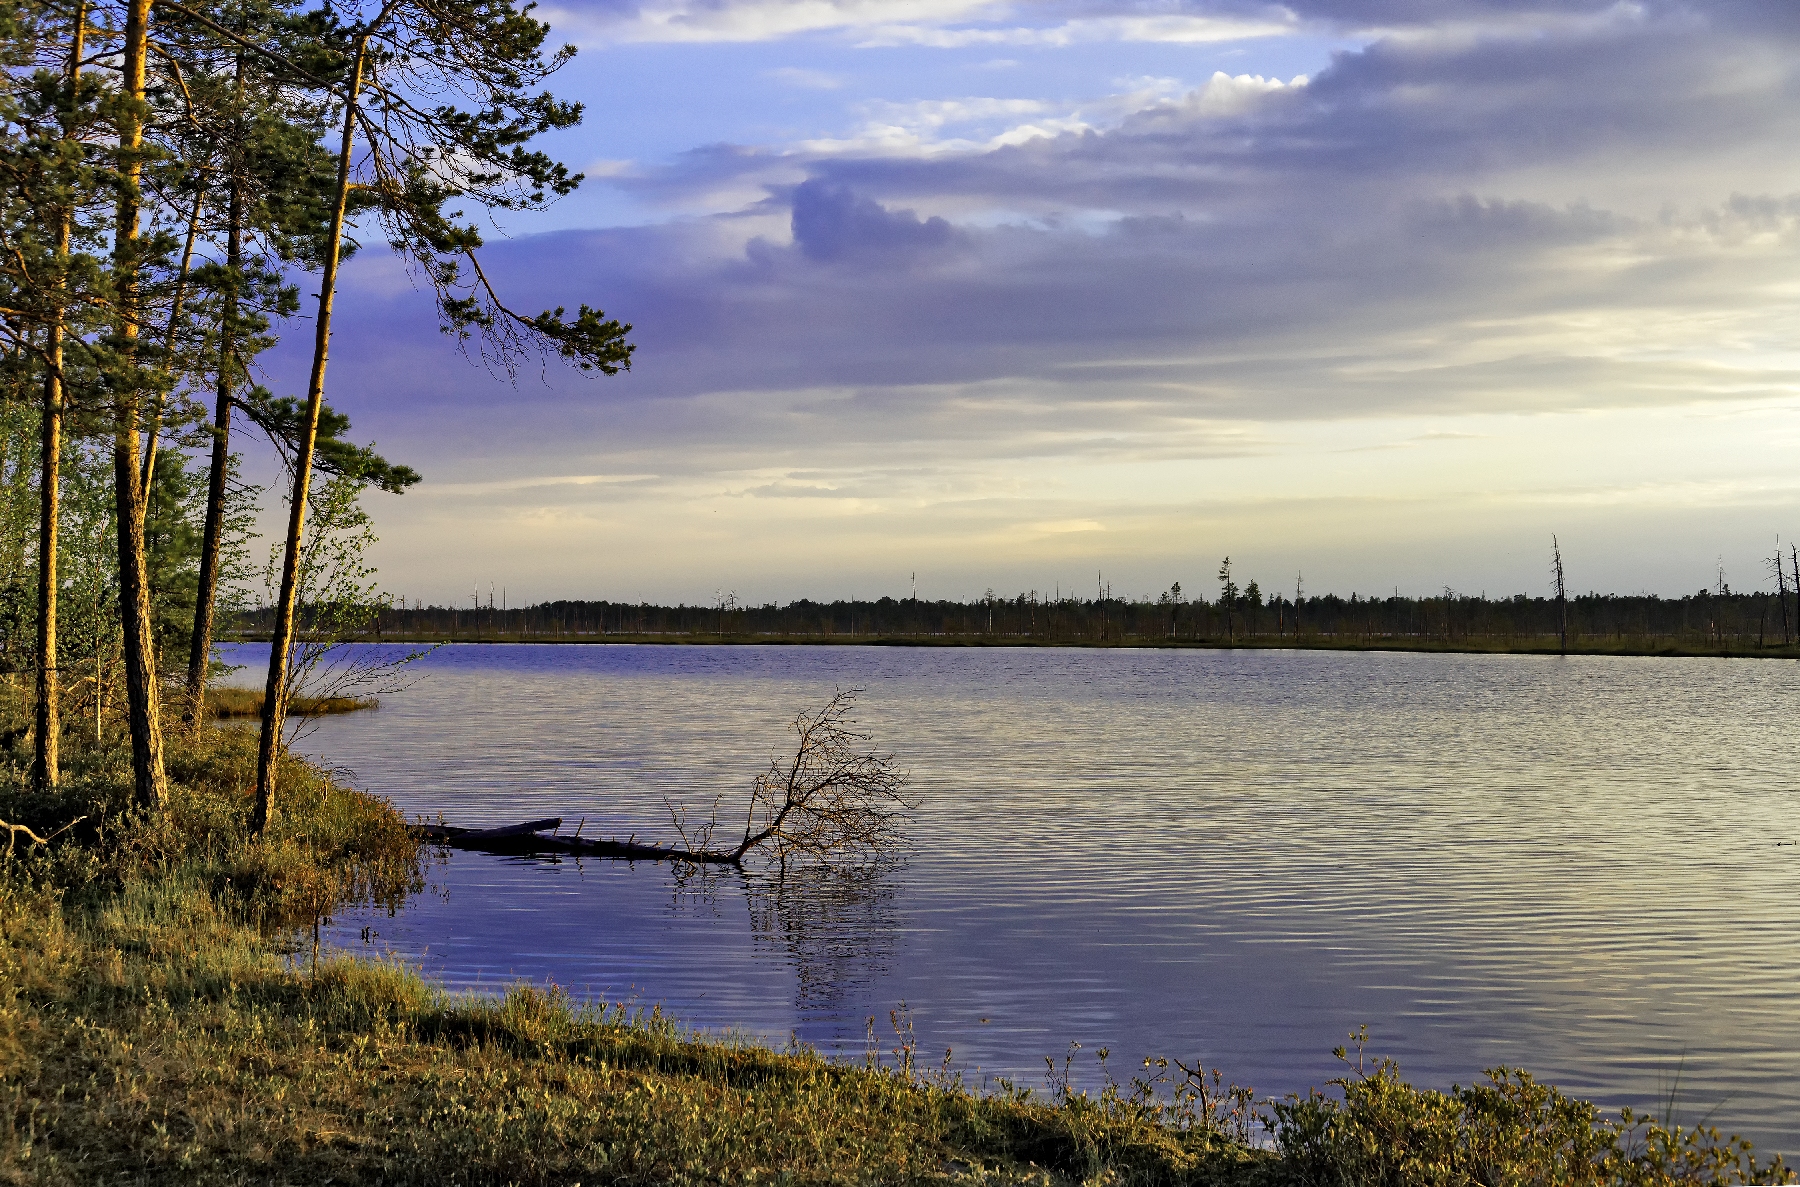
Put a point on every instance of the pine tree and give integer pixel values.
(1228, 596)
(54, 286)
(259, 142)
(414, 161)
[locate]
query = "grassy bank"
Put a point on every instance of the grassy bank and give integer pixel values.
(248, 702)
(164, 1018)
(1470, 646)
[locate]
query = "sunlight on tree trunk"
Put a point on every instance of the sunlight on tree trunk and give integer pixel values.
(282, 640)
(207, 590)
(134, 588)
(46, 757)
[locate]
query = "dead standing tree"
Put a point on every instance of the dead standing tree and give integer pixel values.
(1562, 597)
(1775, 566)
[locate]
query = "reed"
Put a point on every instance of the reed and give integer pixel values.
(248, 702)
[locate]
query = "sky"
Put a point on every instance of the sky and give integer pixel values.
(1035, 295)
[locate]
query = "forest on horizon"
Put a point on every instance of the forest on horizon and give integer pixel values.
(1718, 618)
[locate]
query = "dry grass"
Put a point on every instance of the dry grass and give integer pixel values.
(248, 702)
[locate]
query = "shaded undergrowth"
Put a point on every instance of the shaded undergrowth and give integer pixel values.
(165, 1017)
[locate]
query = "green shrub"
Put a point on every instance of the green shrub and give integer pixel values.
(1510, 1130)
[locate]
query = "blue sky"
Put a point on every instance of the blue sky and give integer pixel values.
(652, 103)
(1005, 294)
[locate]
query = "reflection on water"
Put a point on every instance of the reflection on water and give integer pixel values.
(837, 929)
(1584, 866)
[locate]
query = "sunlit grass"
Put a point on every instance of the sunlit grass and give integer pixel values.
(248, 702)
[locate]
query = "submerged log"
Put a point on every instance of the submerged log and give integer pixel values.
(449, 832)
(539, 836)
(834, 801)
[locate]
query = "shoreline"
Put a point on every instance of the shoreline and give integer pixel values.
(1650, 650)
(164, 1018)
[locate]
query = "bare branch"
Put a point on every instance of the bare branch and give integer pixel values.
(14, 830)
(835, 801)
(836, 804)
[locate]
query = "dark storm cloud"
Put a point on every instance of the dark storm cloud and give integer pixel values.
(831, 221)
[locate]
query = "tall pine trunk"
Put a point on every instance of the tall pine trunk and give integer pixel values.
(154, 432)
(148, 777)
(206, 594)
(46, 762)
(46, 757)
(282, 642)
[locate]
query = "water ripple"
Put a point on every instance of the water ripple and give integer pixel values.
(1570, 865)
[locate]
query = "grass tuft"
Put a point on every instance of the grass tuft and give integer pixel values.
(248, 702)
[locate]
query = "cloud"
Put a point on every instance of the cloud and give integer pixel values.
(753, 20)
(1492, 210)
(1224, 94)
(1422, 225)
(811, 80)
(917, 128)
(1173, 29)
(946, 24)
(608, 167)
(953, 24)
(831, 222)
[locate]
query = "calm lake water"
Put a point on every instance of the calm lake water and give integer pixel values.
(1581, 866)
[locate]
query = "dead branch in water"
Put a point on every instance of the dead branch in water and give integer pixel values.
(539, 836)
(835, 802)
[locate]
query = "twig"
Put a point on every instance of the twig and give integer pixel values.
(13, 831)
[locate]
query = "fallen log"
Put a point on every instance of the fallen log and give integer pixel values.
(834, 801)
(449, 832)
(539, 836)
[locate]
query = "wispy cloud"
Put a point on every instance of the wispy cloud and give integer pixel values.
(811, 80)
(936, 23)
(1180, 30)
(756, 20)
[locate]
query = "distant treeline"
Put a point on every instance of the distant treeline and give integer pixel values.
(1708, 620)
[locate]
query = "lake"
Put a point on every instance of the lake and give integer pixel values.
(1582, 866)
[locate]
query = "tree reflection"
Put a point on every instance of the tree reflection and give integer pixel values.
(837, 928)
